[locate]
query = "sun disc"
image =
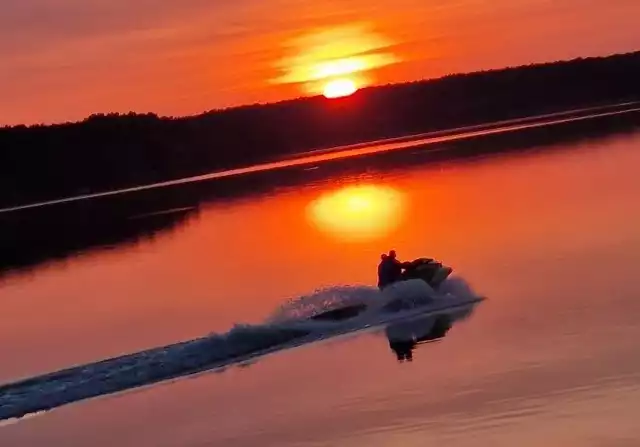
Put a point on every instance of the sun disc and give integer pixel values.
(339, 88)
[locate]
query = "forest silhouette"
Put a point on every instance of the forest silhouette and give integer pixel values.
(109, 151)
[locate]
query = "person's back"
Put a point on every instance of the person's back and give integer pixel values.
(389, 269)
(395, 269)
(384, 277)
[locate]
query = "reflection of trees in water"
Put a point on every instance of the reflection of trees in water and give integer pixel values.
(35, 236)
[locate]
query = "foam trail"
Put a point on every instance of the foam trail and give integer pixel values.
(142, 368)
(322, 300)
(289, 326)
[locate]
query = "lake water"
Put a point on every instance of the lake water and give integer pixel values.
(550, 235)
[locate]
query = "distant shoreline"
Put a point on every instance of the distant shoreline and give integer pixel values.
(112, 152)
(481, 127)
(366, 148)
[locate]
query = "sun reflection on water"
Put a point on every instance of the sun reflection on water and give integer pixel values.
(358, 213)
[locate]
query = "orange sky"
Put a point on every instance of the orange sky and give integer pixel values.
(65, 59)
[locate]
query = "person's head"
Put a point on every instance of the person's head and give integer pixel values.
(392, 254)
(383, 256)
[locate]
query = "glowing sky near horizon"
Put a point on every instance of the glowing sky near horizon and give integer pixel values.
(65, 59)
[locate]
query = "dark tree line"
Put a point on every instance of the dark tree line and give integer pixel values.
(115, 151)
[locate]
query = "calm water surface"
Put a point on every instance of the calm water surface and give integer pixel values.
(552, 238)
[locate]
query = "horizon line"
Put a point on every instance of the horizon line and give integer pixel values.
(311, 97)
(349, 151)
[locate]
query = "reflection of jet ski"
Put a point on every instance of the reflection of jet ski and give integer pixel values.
(405, 336)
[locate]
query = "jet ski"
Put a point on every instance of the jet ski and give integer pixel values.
(427, 270)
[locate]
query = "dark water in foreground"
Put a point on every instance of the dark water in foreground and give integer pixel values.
(551, 236)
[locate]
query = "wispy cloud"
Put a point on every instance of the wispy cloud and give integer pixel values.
(64, 58)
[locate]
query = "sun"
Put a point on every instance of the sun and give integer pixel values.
(338, 88)
(334, 61)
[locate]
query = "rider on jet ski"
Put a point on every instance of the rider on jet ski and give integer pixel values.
(390, 269)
